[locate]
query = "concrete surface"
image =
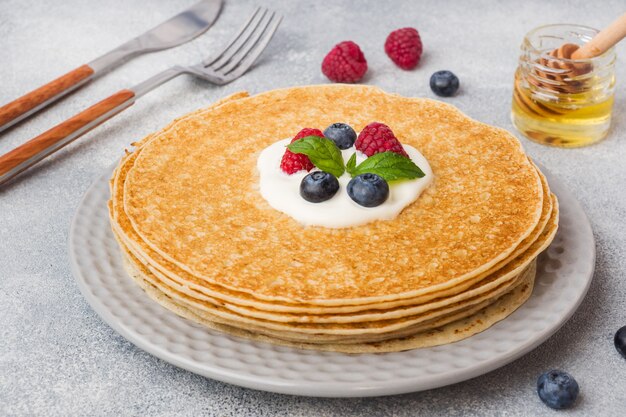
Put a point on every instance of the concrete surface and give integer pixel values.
(58, 358)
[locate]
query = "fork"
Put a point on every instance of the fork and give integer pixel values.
(231, 63)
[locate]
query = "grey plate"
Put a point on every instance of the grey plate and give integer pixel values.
(563, 277)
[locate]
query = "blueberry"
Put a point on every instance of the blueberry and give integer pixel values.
(318, 186)
(557, 389)
(342, 134)
(444, 83)
(620, 341)
(368, 190)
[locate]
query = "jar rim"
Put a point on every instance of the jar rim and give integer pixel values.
(608, 53)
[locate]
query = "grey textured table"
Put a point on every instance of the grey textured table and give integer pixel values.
(57, 357)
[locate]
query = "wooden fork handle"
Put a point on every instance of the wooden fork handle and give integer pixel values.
(37, 99)
(47, 143)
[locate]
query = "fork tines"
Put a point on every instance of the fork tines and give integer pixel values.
(247, 45)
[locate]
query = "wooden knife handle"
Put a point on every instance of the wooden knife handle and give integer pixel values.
(36, 149)
(26, 105)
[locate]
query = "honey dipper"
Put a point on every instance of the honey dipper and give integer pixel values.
(561, 80)
(604, 40)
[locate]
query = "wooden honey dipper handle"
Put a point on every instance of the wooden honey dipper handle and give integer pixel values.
(604, 40)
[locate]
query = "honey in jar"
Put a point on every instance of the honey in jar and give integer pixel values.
(559, 101)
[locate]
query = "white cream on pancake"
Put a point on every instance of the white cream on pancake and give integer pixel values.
(282, 192)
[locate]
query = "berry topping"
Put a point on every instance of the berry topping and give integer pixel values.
(377, 137)
(294, 162)
(368, 190)
(620, 341)
(318, 186)
(444, 83)
(557, 389)
(345, 63)
(307, 131)
(342, 134)
(404, 47)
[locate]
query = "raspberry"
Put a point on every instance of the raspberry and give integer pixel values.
(404, 47)
(294, 162)
(377, 137)
(307, 131)
(345, 63)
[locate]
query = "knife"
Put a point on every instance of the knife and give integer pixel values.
(179, 29)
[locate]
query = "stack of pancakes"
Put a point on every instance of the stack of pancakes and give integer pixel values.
(198, 237)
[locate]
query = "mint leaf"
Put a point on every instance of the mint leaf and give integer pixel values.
(388, 165)
(351, 164)
(322, 152)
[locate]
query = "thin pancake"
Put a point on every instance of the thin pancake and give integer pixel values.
(416, 324)
(484, 187)
(448, 333)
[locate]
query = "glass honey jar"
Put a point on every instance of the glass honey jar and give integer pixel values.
(560, 101)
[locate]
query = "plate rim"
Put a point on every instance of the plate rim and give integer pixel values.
(323, 388)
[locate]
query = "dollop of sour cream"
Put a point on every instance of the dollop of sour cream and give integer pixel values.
(282, 192)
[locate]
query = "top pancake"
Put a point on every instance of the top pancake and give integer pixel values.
(191, 195)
